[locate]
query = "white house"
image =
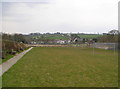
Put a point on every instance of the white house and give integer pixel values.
(60, 42)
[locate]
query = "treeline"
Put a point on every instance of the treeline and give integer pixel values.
(15, 37)
(12, 44)
(10, 47)
(109, 38)
(112, 36)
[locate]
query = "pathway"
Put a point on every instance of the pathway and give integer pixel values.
(8, 64)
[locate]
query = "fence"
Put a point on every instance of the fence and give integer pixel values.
(108, 46)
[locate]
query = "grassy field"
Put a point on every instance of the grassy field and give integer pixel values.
(89, 36)
(64, 67)
(53, 37)
(65, 37)
(58, 37)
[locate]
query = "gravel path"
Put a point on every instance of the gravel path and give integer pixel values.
(8, 64)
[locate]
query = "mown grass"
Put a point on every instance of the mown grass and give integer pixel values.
(64, 67)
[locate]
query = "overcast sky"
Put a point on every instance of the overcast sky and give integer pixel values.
(91, 16)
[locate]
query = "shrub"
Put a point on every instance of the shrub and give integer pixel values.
(10, 47)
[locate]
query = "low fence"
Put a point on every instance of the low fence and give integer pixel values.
(108, 46)
(38, 45)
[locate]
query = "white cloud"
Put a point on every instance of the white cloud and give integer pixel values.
(61, 15)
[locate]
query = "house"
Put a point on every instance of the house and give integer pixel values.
(77, 40)
(60, 42)
(33, 42)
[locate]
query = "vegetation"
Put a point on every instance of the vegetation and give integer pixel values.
(14, 37)
(49, 37)
(109, 38)
(8, 56)
(10, 47)
(1, 82)
(58, 37)
(90, 36)
(64, 36)
(11, 44)
(64, 67)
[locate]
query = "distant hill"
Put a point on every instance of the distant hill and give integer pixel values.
(51, 36)
(62, 36)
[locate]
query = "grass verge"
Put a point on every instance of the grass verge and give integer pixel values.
(8, 56)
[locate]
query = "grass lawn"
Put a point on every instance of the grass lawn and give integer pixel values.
(64, 67)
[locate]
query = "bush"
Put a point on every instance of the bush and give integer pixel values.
(10, 47)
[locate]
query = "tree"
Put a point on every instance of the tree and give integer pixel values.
(113, 32)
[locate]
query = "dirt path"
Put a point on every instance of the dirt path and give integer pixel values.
(8, 64)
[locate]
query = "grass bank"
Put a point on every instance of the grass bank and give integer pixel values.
(8, 56)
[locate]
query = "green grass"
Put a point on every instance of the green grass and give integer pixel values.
(64, 67)
(0, 82)
(89, 36)
(58, 37)
(65, 37)
(53, 37)
(8, 56)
